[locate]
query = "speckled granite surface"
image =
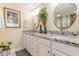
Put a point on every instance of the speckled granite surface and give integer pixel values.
(68, 39)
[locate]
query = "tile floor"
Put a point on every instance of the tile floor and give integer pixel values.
(12, 52)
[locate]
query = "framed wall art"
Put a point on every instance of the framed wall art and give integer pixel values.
(12, 18)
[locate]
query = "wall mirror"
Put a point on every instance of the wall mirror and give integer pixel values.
(65, 15)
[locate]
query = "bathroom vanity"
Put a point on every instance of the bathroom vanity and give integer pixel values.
(50, 44)
(38, 44)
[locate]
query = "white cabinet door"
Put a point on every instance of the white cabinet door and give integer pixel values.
(25, 38)
(28, 43)
(43, 50)
(25, 43)
(34, 46)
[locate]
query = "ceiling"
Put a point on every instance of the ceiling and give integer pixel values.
(28, 6)
(32, 6)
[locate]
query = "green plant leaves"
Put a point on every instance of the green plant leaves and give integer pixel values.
(5, 44)
(42, 15)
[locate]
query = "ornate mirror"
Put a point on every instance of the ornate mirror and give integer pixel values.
(65, 15)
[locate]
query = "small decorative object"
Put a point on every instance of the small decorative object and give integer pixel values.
(45, 30)
(12, 18)
(5, 46)
(40, 28)
(43, 17)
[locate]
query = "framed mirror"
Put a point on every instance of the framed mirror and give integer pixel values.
(65, 15)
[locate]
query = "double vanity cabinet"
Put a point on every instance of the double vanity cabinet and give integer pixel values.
(43, 45)
(36, 46)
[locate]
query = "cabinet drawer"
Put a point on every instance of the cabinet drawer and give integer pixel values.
(44, 41)
(43, 50)
(68, 50)
(57, 53)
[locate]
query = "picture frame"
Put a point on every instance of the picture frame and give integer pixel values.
(12, 18)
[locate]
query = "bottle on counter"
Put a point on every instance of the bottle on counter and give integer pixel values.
(41, 29)
(34, 28)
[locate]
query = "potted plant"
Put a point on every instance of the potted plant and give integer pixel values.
(5, 45)
(43, 17)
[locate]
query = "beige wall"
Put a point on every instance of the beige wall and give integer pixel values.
(50, 23)
(15, 34)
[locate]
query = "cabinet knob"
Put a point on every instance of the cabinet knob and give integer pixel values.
(53, 54)
(48, 51)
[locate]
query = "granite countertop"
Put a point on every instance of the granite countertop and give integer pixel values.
(68, 40)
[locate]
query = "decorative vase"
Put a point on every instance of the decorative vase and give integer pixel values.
(45, 29)
(41, 29)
